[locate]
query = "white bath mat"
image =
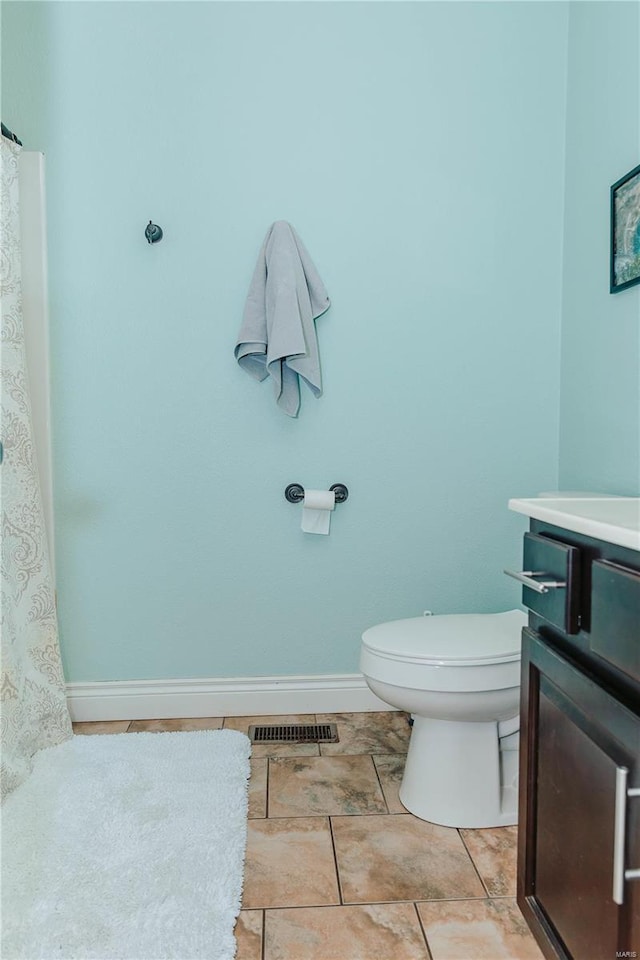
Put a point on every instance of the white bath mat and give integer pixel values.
(127, 847)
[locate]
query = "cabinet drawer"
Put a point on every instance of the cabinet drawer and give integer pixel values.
(615, 616)
(552, 560)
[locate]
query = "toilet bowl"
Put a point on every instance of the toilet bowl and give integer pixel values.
(459, 676)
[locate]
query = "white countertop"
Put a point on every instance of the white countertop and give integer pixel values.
(613, 519)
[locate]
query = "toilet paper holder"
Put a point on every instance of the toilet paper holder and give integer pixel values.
(295, 492)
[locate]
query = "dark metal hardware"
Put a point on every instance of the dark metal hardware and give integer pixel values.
(9, 135)
(295, 492)
(153, 232)
(340, 491)
(295, 733)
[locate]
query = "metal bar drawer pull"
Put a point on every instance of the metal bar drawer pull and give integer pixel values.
(619, 832)
(540, 586)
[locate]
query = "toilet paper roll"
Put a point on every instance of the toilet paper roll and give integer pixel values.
(316, 510)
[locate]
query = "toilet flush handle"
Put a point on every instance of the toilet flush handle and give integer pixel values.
(540, 586)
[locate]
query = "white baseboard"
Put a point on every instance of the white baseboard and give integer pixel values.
(237, 697)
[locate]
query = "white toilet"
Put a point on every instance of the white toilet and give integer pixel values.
(459, 676)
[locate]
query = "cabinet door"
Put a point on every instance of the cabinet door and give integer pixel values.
(577, 737)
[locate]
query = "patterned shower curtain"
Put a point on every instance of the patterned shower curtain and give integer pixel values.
(33, 710)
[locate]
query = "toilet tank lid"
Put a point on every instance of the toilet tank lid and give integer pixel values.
(452, 638)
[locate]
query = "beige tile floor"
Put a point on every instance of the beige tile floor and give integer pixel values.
(337, 869)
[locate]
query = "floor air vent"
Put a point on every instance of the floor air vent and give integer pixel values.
(295, 733)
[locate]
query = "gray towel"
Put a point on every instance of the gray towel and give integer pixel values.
(278, 335)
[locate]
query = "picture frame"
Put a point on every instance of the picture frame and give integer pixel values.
(625, 232)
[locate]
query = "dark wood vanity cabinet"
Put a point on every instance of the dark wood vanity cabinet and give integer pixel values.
(580, 758)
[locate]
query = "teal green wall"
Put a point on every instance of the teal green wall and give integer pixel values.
(418, 149)
(600, 398)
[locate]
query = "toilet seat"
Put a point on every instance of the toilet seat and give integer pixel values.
(450, 640)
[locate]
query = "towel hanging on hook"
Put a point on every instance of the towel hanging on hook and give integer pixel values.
(278, 336)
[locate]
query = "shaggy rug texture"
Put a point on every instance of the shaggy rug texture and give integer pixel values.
(127, 847)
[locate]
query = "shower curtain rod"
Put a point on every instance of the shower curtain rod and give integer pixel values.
(10, 136)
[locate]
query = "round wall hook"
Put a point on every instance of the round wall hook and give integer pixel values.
(153, 232)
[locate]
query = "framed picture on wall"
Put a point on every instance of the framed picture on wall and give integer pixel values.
(625, 231)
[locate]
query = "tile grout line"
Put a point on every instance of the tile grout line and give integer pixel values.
(266, 790)
(367, 903)
(424, 932)
(483, 884)
(384, 796)
(335, 861)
